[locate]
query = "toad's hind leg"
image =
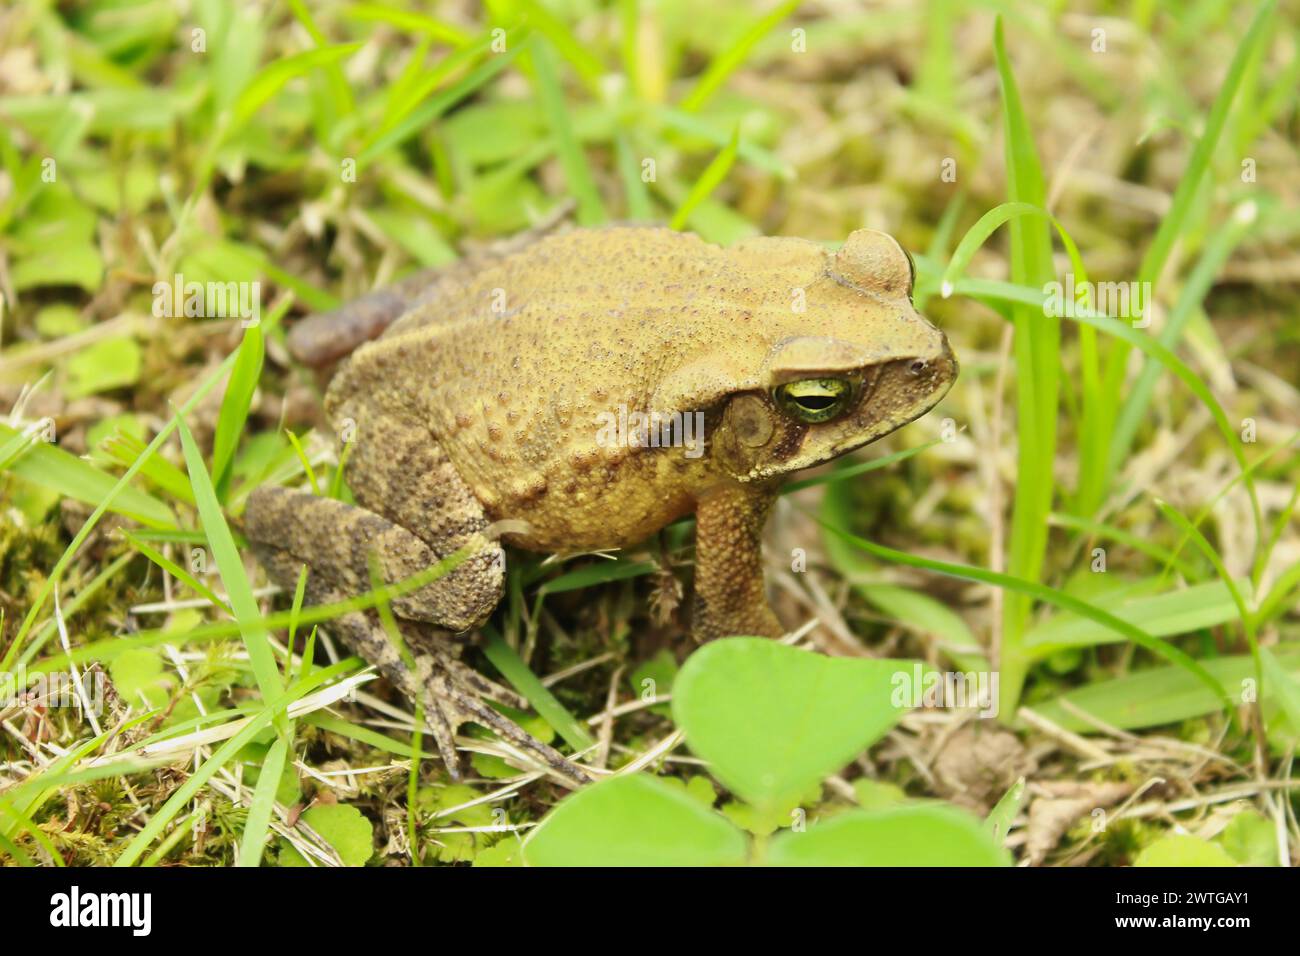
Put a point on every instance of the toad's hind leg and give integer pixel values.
(425, 669)
(416, 512)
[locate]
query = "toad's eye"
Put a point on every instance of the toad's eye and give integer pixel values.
(813, 399)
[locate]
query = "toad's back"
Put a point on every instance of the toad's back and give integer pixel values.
(511, 366)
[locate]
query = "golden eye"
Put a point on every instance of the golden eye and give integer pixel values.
(813, 399)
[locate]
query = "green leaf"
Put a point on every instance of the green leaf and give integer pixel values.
(1183, 850)
(138, 676)
(773, 721)
(930, 834)
(577, 171)
(112, 363)
(79, 264)
(344, 828)
(655, 678)
(634, 821)
(1250, 839)
(1000, 817)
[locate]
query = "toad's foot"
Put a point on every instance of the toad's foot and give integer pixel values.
(450, 692)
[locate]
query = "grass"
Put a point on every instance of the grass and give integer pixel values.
(322, 150)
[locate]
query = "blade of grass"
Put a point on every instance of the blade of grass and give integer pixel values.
(233, 417)
(273, 710)
(176, 571)
(420, 118)
(522, 679)
(559, 36)
(1037, 351)
(257, 826)
(577, 172)
(635, 195)
(713, 174)
(993, 292)
(231, 566)
(1218, 248)
(306, 462)
(1159, 695)
(50, 467)
(105, 503)
(340, 93)
(1043, 593)
(1247, 618)
(1286, 686)
(730, 59)
(409, 21)
(1172, 225)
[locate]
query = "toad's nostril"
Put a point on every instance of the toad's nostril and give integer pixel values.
(917, 367)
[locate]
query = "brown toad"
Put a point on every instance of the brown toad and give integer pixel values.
(587, 390)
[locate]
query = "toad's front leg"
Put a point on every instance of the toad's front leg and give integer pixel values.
(730, 597)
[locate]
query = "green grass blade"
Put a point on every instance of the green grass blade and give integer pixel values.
(257, 827)
(577, 171)
(1160, 615)
(231, 566)
(273, 710)
(1286, 687)
(1174, 222)
(420, 118)
(53, 468)
(514, 670)
(233, 416)
(410, 21)
(730, 59)
(713, 174)
(1217, 250)
(1037, 351)
(1041, 592)
(1159, 695)
(585, 64)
